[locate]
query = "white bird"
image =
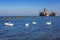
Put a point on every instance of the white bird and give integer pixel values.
(9, 24)
(34, 22)
(48, 23)
(27, 24)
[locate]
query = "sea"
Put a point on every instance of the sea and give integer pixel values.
(38, 31)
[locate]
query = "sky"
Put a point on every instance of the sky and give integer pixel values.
(27, 7)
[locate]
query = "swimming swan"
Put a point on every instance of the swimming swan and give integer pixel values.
(9, 24)
(34, 22)
(27, 24)
(48, 23)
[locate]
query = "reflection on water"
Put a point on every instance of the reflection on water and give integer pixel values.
(39, 31)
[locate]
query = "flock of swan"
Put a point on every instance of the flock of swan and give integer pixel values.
(27, 24)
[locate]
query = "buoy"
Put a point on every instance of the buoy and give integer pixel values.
(27, 24)
(48, 23)
(9, 24)
(34, 22)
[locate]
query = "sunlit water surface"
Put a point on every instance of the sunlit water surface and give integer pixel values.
(39, 31)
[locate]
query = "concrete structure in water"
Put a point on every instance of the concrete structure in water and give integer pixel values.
(47, 13)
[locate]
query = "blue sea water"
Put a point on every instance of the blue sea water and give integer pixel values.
(39, 31)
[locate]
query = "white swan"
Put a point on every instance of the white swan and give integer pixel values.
(48, 23)
(27, 24)
(34, 22)
(9, 24)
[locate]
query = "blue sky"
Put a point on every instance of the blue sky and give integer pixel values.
(27, 7)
